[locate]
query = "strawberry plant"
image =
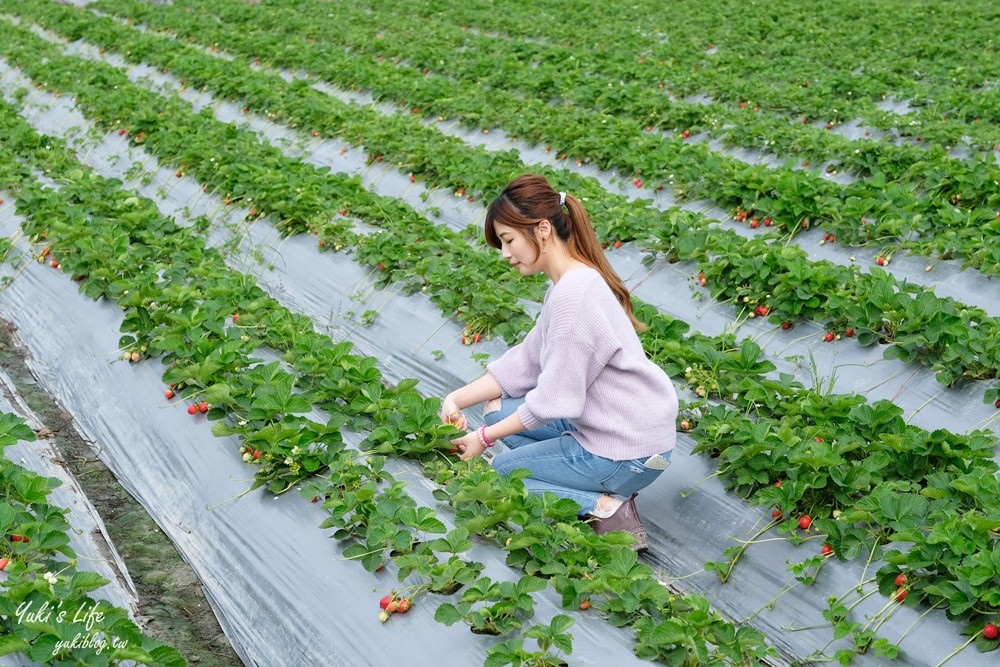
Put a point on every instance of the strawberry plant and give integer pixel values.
(41, 575)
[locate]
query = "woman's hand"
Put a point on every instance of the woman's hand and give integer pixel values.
(450, 414)
(468, 446)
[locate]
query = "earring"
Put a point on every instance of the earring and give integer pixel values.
(544, 249)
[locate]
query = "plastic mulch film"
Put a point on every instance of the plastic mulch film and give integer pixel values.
(243, 549)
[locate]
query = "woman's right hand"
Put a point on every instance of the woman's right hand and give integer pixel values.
(451, 414)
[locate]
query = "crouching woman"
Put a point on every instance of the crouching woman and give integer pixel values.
(577, 402)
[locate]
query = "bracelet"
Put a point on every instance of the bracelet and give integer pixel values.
(483, 440)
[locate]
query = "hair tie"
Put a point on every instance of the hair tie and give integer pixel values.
(562, 198)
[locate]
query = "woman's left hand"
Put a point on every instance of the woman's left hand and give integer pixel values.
(469, 446)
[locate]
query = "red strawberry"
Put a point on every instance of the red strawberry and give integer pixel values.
(412, 178)
(819, 439)
(257, 453)
(179, 174)
(997, 403)
(3, 563)
(381, 266)
(393, 606)
(901, 595)
(776, 514)
(476, 338)
(384, 602)
(990, 631)
(880, 260)
(169, 393)
(805, 521)
(849, 332)
(786, 325)
(192, 409)
(19, 538)
(53, 264)
(754, 224)
(826, 550)
(778, 483)
(585, 605)
(315, 133)
(618, 244)
(828, 337)
(403, 606)
(203, 407)
(767, 222)
(121, 132)
(900, 579)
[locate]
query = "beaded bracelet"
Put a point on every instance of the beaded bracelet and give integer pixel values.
(483, 440)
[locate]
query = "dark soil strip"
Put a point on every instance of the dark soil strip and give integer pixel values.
(172, 605)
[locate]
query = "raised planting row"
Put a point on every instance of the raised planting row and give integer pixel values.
(594, 80)
(760, 276)
(745, 363)
(821, 62)
(866, 212)
(205, 321)
(46, 611)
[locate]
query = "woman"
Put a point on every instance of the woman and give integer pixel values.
(577, 402)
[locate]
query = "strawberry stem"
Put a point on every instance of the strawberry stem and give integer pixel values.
(958, 650)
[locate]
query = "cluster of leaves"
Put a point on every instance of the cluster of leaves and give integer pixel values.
(956, 341)
(723, 51)
(787, 195)
(449, 48)
(46, 611)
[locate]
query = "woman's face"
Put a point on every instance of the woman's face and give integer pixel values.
(517, 250)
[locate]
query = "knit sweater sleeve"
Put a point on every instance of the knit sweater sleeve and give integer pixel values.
(517, 370)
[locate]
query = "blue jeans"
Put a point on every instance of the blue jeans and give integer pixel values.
(559, 464)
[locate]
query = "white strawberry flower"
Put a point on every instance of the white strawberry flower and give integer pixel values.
(295, 449)
(289, 460)
(51, 578)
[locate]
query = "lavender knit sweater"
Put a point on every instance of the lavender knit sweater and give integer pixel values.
(583, 362)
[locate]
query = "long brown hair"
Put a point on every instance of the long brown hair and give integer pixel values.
(529, 199)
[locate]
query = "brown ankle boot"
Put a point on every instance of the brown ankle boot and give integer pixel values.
(625, 518)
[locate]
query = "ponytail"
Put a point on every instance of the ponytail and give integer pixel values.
(529, 199)
(584, 246)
